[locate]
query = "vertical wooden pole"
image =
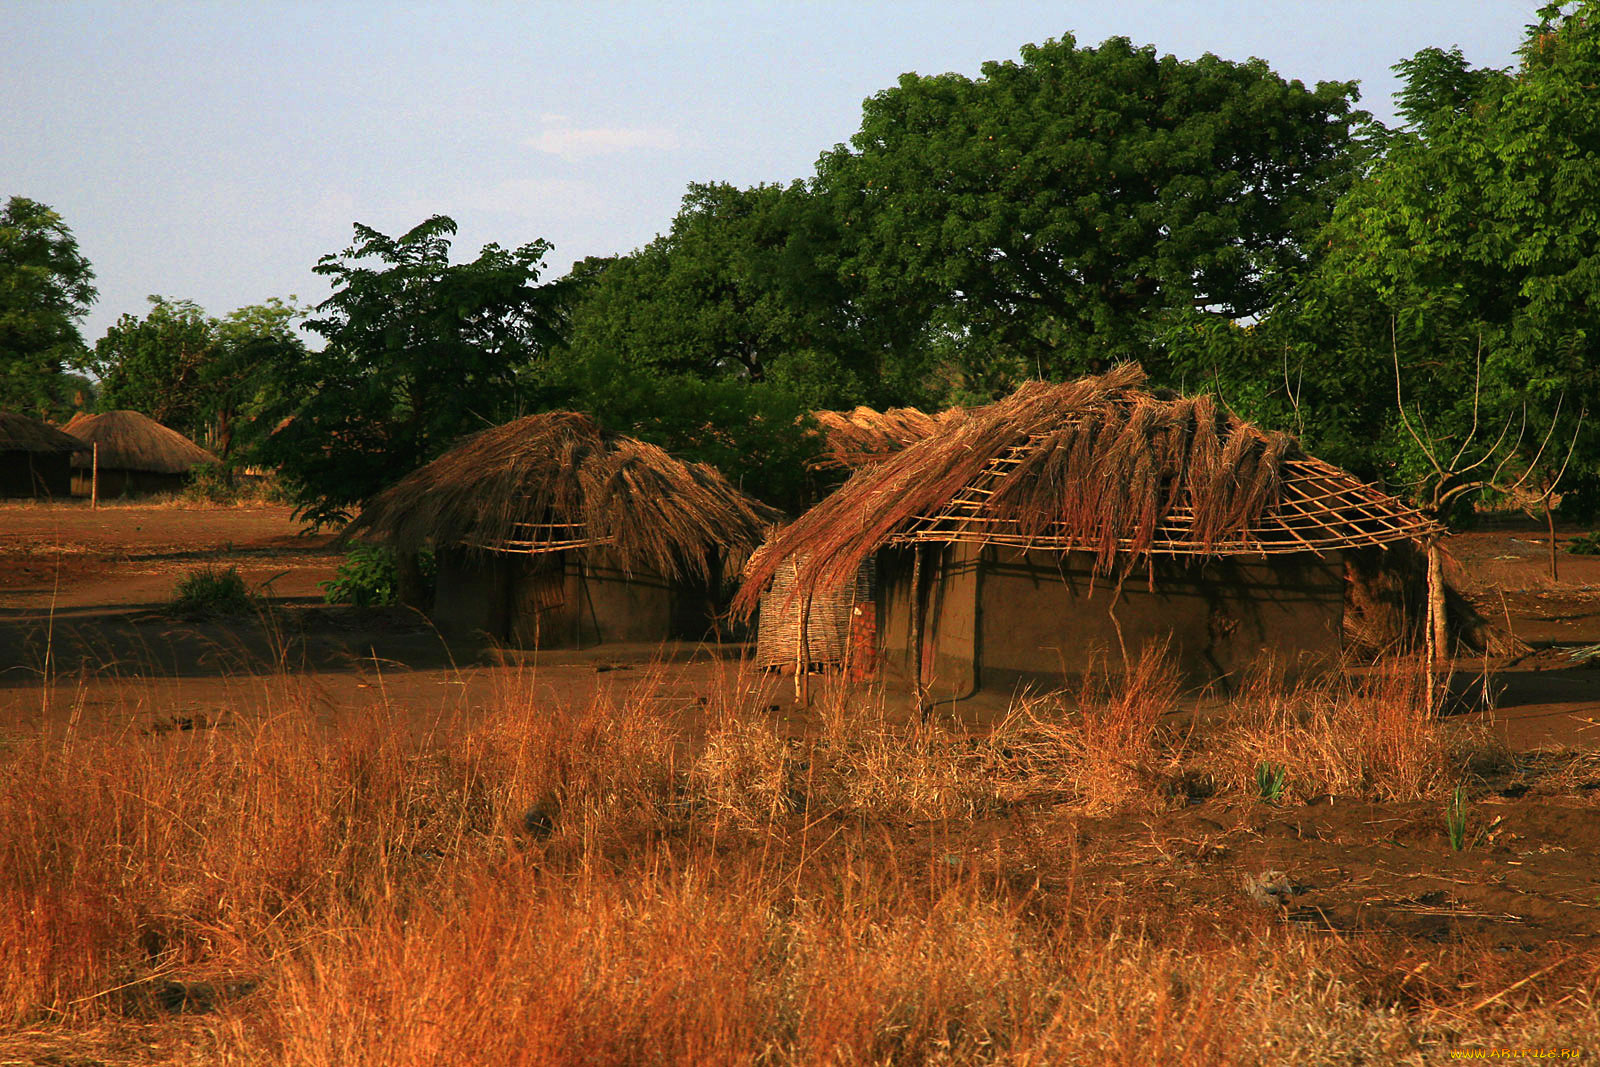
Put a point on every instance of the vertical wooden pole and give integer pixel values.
(94, 478)
(1438, 635)
(1550, 526)
(916, 624)
(802, 665)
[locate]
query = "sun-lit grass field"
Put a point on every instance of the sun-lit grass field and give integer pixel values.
(622, 883)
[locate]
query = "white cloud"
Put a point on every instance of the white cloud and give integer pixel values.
(572, 143)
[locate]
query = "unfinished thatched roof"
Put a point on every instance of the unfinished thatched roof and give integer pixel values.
(853, 439)
(556, 481)
(1099, 465)
(18, 433)
(133, 441)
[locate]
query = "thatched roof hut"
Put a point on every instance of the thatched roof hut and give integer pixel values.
(1073, 481)
(137, 453)
(35, 458)
(567, 518)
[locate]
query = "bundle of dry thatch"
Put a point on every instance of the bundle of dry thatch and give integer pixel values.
(557, 481)
(856, 438)
(1099, 465)
(18, 433)
(133, 441)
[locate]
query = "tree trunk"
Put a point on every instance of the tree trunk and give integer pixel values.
(1550, 525)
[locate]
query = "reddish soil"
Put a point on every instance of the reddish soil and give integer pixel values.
(82, 592)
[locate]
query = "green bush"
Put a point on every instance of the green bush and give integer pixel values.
(1587, 544)
(213, 591)
(369, 577)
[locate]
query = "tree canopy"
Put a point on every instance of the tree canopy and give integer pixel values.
(45, 290)
(1473, 243)
(1052, 215)
(419, 350)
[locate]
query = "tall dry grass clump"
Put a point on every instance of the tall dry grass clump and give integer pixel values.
(1103, 748)
(1376, 736)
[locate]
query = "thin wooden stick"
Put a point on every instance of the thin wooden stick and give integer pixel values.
(802, 666)
(94, 479)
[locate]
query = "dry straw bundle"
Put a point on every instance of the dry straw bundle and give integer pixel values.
(864, 435)
(556, 481)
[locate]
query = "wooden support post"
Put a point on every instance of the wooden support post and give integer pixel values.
(802, 663)
(94, 478)
(916, 627)
(1438, 633)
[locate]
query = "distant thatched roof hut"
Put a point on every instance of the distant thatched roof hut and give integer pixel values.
(137, 454)
(990, 535)
(549, 530)
(35, 458)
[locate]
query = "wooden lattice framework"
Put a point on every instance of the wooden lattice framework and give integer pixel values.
(1320, 508)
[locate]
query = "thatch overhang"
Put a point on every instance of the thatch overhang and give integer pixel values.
(133, 441)
(1100, 465)
(18, 433)
(556, 481)
(863, 436)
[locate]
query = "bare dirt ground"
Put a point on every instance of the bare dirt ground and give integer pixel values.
(82, 627)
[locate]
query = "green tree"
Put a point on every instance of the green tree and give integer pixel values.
(1470, 255)
(45, 290)
(1060, 213)
(744, 286)
(202, 376)
(418, 352)
(156, 364)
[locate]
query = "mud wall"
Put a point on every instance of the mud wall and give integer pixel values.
(1004, 619)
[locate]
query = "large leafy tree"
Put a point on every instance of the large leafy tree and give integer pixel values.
(202, 376)
(155, 364)
(1058, 213)
(743, 287)
(419, 350)
(1469, 261)
(45, 290)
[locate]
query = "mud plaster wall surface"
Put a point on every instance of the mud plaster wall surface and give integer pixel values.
(1002, 619)
(559, 600)
(118, 481)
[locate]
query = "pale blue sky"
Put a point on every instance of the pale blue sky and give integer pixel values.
(214, 151)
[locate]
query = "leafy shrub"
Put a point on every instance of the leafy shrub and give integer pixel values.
(1587, 544)
(370, 577)
(212, 591)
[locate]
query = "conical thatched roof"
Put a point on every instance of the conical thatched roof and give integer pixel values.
(853, 439)
(133, 441)
(556, 481)
(18, 433)
(1099, 465)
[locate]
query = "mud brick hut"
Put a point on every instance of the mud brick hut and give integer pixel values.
(1077, 523)
(35, 458)
(137, 455)
(550, 532)
(838, 619)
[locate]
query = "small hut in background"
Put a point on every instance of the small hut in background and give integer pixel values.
(137, 455)
(35, 458)
(837, 625)
(550, 532)
(1079, 522)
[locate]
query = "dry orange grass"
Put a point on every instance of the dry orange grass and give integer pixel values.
(371, 892)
